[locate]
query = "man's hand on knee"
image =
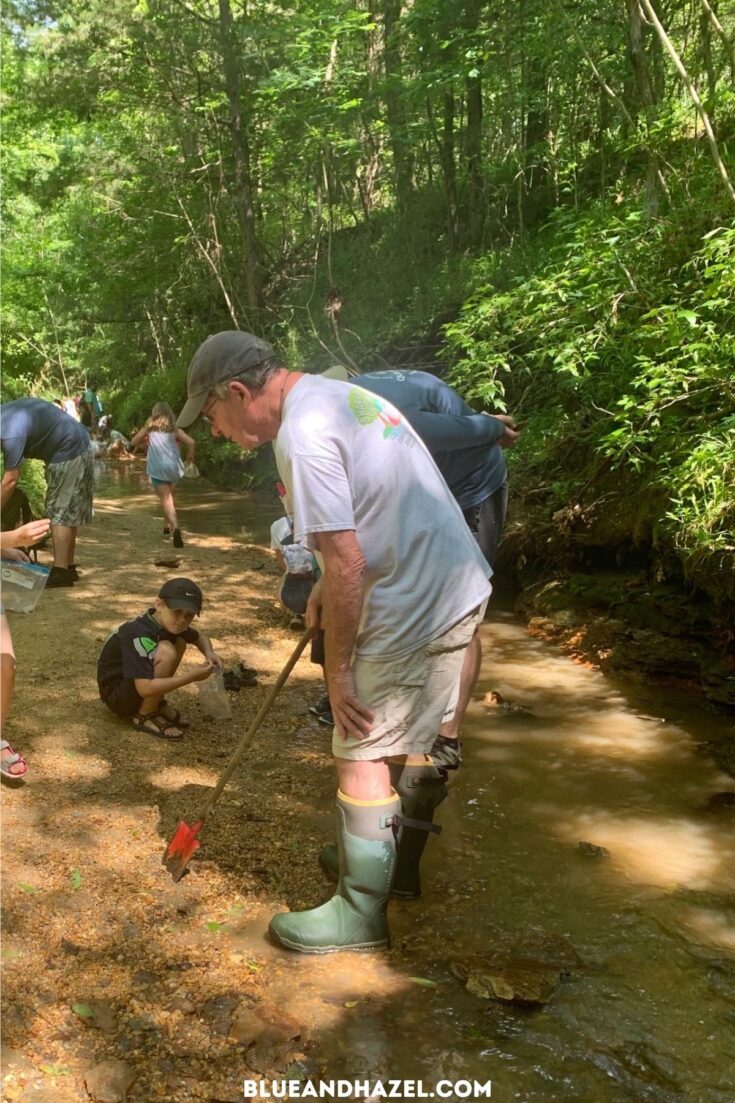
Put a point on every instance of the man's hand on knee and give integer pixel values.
(351, 716)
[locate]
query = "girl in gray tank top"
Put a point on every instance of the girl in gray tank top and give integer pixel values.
(165, 466)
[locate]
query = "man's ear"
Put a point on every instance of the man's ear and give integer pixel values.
(240, 391)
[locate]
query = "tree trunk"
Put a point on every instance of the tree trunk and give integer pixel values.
(473, 133)
(394, 105)
(241, 157)
(646, 98)
(681, 70)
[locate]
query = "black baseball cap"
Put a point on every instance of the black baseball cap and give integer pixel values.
(218, 359)
(182, 593)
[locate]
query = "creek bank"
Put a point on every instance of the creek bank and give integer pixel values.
(625, 624)
(595, 582)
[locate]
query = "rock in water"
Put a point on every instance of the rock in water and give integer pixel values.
(592, 850)
(109, 1082)
(526, 972)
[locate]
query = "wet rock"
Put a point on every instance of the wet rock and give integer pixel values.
(109, 1082)
(68, 947)
(592, 850)
(184, 1005)
(217, 1013)
(521, 983)
(526, 973)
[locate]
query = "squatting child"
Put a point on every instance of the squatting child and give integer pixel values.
(138, 664)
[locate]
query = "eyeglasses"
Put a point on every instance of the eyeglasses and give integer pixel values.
(205, 416)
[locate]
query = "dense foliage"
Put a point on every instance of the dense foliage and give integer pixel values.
(541, 188)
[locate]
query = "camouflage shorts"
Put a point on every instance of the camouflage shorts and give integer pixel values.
(69, 495)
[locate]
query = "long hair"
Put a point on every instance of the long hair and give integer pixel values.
(162, 419)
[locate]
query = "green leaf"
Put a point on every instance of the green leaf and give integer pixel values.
(83, 1010)
(76, 879)
(213, 925)
(54, 1070)
(25, 887)
(424, 982)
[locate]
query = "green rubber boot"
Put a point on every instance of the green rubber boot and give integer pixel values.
(355, 918)
(421, 789)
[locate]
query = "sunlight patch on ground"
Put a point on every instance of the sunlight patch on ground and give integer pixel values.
(678, 853)
(711, 927)
(174, 778)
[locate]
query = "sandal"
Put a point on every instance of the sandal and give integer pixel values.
(152, 723)
(11, 759)
(173, 715)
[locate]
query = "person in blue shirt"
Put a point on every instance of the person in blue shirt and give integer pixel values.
(468, 448)
(33, 429)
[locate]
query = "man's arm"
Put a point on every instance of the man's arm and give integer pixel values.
(449, 432)
(340, 592)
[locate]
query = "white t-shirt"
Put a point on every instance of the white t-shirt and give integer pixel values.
(351, 461)
(298, 559)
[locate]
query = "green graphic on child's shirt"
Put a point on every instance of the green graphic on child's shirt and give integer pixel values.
(367, 409)
(145, 646)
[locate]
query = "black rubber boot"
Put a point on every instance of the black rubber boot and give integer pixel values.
(355, 918)
(421, 789)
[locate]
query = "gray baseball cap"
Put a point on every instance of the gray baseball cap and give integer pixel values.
(218, 359)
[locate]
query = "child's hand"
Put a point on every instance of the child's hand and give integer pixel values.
(200, 673)
(216, 661)
(32, 532)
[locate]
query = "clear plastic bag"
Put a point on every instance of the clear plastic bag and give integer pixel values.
(213, 697)
(191, 471)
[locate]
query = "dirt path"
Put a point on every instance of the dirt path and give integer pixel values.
(103, 956)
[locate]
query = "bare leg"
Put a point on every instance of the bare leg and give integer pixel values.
(165, 665)
(64, 538)
(166, 496)
(470, 673)
(364, 780)
(7, 681)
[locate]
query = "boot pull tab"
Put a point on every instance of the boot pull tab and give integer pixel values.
(399, 820)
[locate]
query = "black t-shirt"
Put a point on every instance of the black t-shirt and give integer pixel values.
(31, 429)
(130, 651)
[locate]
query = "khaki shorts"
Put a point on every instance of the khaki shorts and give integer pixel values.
(411, 697)
(70, 486)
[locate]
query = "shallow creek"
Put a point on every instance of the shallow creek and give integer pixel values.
(650, 1012)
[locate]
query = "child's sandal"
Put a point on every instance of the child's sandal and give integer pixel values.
(152, 723)
(11, 759)
(173, 715)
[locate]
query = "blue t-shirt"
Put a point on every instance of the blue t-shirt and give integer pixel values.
(31, 429)
(462, 443)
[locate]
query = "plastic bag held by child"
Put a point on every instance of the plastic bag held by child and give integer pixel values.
(191, 471)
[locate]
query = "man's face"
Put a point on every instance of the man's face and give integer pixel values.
(234, 417)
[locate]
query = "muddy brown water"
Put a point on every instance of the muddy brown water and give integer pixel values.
(651, 1014)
